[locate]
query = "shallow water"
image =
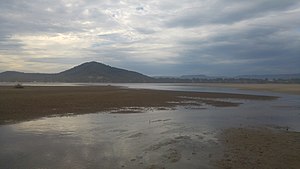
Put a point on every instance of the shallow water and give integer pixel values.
(181, 138)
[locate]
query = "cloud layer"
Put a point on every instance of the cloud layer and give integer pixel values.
(214, 37)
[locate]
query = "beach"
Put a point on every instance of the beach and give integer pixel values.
(119, 127)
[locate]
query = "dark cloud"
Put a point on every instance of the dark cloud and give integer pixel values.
(140, 8)
(7, 44)
(223, 37)
(228, 12)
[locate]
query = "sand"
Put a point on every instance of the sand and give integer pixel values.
(245, 148)
(35, 102)
(260, 148)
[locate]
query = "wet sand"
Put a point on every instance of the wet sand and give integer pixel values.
(35, 102)
(260, 148)
(280, 88)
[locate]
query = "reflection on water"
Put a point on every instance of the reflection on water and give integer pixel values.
(181, 138)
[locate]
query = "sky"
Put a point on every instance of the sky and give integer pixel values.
(154, 37)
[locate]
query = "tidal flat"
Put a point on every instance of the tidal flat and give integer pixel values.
(120, 127)
(36, 101)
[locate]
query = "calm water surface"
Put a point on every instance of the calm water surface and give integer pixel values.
(181, 138)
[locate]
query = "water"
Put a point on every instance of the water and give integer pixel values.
(181, 138)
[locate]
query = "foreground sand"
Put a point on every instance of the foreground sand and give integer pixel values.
(34, 102)
(260, 148)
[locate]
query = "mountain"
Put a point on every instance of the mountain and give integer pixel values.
(101, 73)
(86, 72)
(98, 72)
(13, 76)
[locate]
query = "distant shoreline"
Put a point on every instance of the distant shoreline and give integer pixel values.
(280, 88)
(40, 101)
(270, 87)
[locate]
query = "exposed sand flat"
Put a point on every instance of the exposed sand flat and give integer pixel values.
(34, 102)
(282, 88)
(260, 148)
(200, 137)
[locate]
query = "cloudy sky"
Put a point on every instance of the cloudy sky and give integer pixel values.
(154, 37)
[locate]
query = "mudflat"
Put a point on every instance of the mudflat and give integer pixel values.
(260, 148)
(38, 101)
